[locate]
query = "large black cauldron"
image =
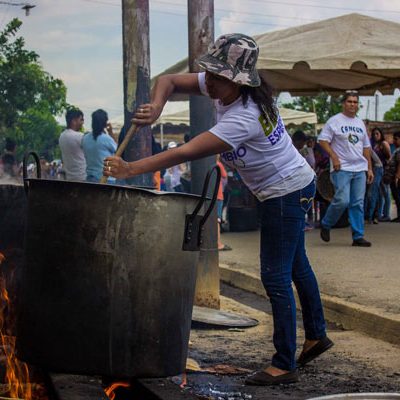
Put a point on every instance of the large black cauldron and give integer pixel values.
(106, 286)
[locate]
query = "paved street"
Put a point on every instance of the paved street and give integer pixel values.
(364, 278)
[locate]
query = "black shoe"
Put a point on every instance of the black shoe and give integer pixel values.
(361, 243)
(262, 378)
(325, 234)
(315, 351)
(384, 219)
(395, 219)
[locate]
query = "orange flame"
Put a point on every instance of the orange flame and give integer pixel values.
(109, 391)
(17, 373)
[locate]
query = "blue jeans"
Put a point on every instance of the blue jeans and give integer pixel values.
(374, 193)
(283, 260)
(384, 203)
(349, 193)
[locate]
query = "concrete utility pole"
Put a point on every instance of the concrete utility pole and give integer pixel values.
(201, 34)
(136, 58)
(376, 106)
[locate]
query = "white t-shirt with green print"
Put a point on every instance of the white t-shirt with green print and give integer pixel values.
(262, 152)
(348, 137)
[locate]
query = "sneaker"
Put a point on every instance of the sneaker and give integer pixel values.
(395, 219)
(325, 234)
(384, 219)
(361, 243)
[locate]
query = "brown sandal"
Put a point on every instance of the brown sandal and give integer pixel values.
(315, 351)
(262, 378)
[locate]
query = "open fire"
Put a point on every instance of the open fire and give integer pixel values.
(110, 391)
(17, 383)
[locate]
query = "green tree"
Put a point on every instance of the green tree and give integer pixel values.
(324, 105)
(394, 113)
(38, 130)
(29, 96)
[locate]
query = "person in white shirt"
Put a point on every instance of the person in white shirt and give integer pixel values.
(172, 176)
(70, 142)
(344, 137)
(251, 137)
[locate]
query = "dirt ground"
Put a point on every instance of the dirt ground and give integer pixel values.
(355, 364)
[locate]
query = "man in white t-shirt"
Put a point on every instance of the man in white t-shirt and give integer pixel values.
(344, 137)
(70, 142)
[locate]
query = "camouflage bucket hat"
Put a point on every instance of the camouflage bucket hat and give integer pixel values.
(234, 57)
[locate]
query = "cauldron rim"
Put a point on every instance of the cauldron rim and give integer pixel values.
(113, 186)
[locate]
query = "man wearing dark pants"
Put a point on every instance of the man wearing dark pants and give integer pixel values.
(344, 137)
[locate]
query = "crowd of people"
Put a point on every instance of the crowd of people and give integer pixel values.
(375, 159)
(375, 195)
(83, 155)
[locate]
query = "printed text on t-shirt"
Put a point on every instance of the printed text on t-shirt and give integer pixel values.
(235, 156)
(356, 129)
(273, 135)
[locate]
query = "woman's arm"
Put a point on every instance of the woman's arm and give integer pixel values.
(110, 131)
(397, 174)
(203, 145)
(367, 155)
(164, 87)
(386, 149)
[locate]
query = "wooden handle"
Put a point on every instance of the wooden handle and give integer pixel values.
(132, 130)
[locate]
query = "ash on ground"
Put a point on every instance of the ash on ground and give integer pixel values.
(355, 364)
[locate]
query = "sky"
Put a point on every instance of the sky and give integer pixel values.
(80, 41)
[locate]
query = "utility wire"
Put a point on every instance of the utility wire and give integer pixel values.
(269, 2)
(227, 19)
(184, 15)
(14, 4)
(241, 12)
(328, 7)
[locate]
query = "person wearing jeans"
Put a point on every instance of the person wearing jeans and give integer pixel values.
(373, 191)
(344, 137)
(283, 259)
(349, 193)
(251, 138)
(382, 149)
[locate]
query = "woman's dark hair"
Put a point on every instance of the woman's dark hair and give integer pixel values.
(382, 138)
(99, 122)
(262, 96)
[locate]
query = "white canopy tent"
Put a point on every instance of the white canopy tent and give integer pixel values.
(172, 116)
(348, 52)
(289, 116)
(177, 113)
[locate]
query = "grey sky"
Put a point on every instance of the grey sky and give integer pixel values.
(80, 41)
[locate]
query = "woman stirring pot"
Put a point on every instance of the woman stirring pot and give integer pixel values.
(250, 137)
